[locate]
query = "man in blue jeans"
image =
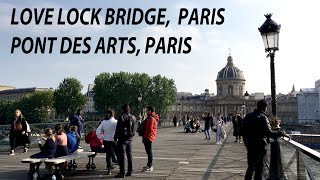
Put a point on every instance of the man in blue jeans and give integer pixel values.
(123, 136)
(149, 136)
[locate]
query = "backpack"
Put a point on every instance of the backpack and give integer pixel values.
(129, 125)
(141, 129)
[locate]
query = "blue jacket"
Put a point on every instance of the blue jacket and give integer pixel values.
(72, 141)
(75, 120)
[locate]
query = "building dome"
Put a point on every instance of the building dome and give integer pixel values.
(230, 72)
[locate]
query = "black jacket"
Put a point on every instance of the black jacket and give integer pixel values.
(257, 130)
(122, 130)
(23, 123)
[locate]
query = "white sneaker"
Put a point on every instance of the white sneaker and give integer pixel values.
(147, 169)
(217, 143)
(12, 153)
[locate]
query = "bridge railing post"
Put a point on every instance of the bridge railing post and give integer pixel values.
(301, 174)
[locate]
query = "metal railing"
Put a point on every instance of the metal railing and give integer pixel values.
(38, 128)
(298, 161)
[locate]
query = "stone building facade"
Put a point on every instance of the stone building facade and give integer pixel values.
(229, 98)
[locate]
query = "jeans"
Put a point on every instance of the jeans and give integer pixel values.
(218, 137)
(108, 149)
(125, 147)
(99, 149)
(255, 158)
(206, 132)
(148, 147)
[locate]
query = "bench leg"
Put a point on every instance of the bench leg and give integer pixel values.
(91, 164)
(58, 171)
(72, 164)
(34, 171)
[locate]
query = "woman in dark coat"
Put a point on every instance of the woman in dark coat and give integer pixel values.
(175, 120)
(18, 133)
(237, 127)
(48, 150)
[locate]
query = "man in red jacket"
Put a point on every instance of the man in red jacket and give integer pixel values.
(149, 135)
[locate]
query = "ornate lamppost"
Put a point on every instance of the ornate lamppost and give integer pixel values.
(246, 98)
(139, 100)
(270, 34)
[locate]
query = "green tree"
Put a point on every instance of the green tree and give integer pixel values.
(68, 97)
(113, 90)
(4, 106)
(36, 107)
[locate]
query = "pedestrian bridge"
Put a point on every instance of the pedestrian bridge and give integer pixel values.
(179, 155)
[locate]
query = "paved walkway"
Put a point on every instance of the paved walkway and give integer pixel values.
(177, 155)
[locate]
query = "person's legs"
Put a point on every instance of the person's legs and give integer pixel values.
(121, 150)
(206, 133)
(129, 155)
(259, 164)
(148, 147)
(108, 149)
(12, 140)
(114, 153)
(251, 164)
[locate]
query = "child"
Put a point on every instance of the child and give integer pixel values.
(48, 150)
(72, 142)
(75, 130)
(96, 144)
(61, 137)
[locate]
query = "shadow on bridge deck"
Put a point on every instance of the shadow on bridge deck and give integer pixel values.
(177, 155)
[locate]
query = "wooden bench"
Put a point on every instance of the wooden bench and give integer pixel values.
(59, 162)
(34, 167)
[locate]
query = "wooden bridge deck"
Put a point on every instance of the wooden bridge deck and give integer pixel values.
(177, 155)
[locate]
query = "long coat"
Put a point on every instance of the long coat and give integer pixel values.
(237, 125)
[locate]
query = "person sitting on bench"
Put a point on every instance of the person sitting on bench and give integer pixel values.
(72, 142)
(61, 137)
(48, 150)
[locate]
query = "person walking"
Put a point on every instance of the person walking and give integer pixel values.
(207, 120)
(256, 131)
(123, 136)
(237, 126)
(150, 127)
(219, 126)
(18, 133)
(175, 121)
(106, 131)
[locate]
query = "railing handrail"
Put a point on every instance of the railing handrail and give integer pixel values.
(306, 150)
(309, 135)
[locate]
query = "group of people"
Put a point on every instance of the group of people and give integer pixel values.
(114, 137)
(65, 140)
(216, 125)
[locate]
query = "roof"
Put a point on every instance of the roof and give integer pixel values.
(230, 72)
(308, 90)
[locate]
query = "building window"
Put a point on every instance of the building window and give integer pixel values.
(230, 90)
(220, 90)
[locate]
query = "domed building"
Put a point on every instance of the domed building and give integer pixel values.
(230, 80)
(229, 98)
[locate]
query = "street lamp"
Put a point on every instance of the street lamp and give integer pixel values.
(270, 34)
(243, 109)
(139, 100)
(179, 104)
(246, 98)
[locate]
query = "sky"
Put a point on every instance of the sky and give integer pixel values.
(296, 62)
